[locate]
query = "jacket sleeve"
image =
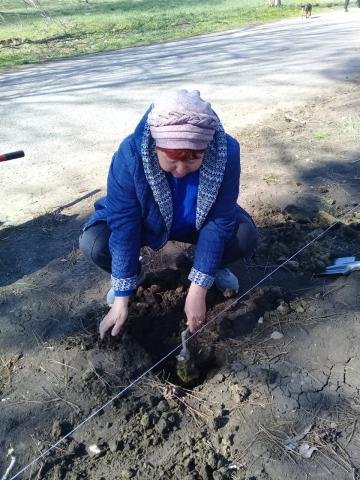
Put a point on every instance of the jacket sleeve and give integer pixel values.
(220, 224)
(124, 220)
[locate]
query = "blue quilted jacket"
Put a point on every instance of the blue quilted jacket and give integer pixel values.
(138, 205)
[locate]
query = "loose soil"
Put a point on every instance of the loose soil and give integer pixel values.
(276, 373)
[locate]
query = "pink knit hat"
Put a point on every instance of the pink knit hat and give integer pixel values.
(182, 120)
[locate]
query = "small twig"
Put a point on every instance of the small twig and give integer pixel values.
(289, 118)
(334, 290)
(42, 464)
(59, 397)
(323, 465)
(21, 402)
(257, 404)
(38, 475)
(65, 364)
(48, 371)
(334, 460)
(187, 392)
(40, 342)
(352, 433)
(345, 456)
(75, 407)
(324, 316)
(9, 468)
(85, 329)
(102, 380)
(192, 409)
(242, 454)
(277, 443)
(267, 263)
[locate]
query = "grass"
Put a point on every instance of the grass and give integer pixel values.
(271, 178)
(321, 135)
(38, 30)
(352, 127)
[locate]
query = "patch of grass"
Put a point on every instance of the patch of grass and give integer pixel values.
(33, 31)
(352, 127)
(6, 368)
(320, 135)
(271, 178)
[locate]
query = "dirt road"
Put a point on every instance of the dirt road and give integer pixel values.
(277, 375)
(69, 116)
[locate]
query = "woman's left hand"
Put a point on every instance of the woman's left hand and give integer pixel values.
(195, 307)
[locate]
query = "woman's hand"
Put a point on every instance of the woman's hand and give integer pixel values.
(195, 307)
(116, 317)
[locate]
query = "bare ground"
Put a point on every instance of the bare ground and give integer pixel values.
(257, 405)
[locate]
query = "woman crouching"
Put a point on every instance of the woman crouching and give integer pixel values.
(175, 178)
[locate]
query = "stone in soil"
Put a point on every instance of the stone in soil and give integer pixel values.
(59, 429)
(127, 473)
(162, 406)
(297, 214)
(115, 445)
(145, 420)
(239, 392)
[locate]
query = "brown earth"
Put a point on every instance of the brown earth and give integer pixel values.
(277, 373)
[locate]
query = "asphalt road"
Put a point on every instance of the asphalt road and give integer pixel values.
(70, 115)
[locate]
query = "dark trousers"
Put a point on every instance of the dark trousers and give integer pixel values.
(346, 4)
(94, 243)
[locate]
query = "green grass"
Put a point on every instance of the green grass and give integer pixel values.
(352, 127)
(271, 178)
(37, 30)
(321, 135)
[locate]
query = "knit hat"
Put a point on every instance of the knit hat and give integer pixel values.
(182, 120)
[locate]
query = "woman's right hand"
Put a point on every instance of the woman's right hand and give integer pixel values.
(195, 307)
(115, 318)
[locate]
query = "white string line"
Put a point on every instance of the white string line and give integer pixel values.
(268, 275)
(95, 412)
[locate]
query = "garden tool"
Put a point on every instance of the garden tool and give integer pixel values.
(184, 354)
(10, 156)
(186, 371)
(342, 266)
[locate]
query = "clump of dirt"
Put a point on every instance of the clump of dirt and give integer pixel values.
(157, 320)
(296, 228)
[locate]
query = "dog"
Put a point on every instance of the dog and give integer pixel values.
(306, 9)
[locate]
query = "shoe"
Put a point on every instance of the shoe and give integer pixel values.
(110, 297)
(226, 280)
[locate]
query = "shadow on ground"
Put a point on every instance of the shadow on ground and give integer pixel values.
(29, 247)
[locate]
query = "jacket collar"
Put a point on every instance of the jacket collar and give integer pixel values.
(211, 175)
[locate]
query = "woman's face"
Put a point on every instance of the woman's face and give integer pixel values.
(180, 168)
